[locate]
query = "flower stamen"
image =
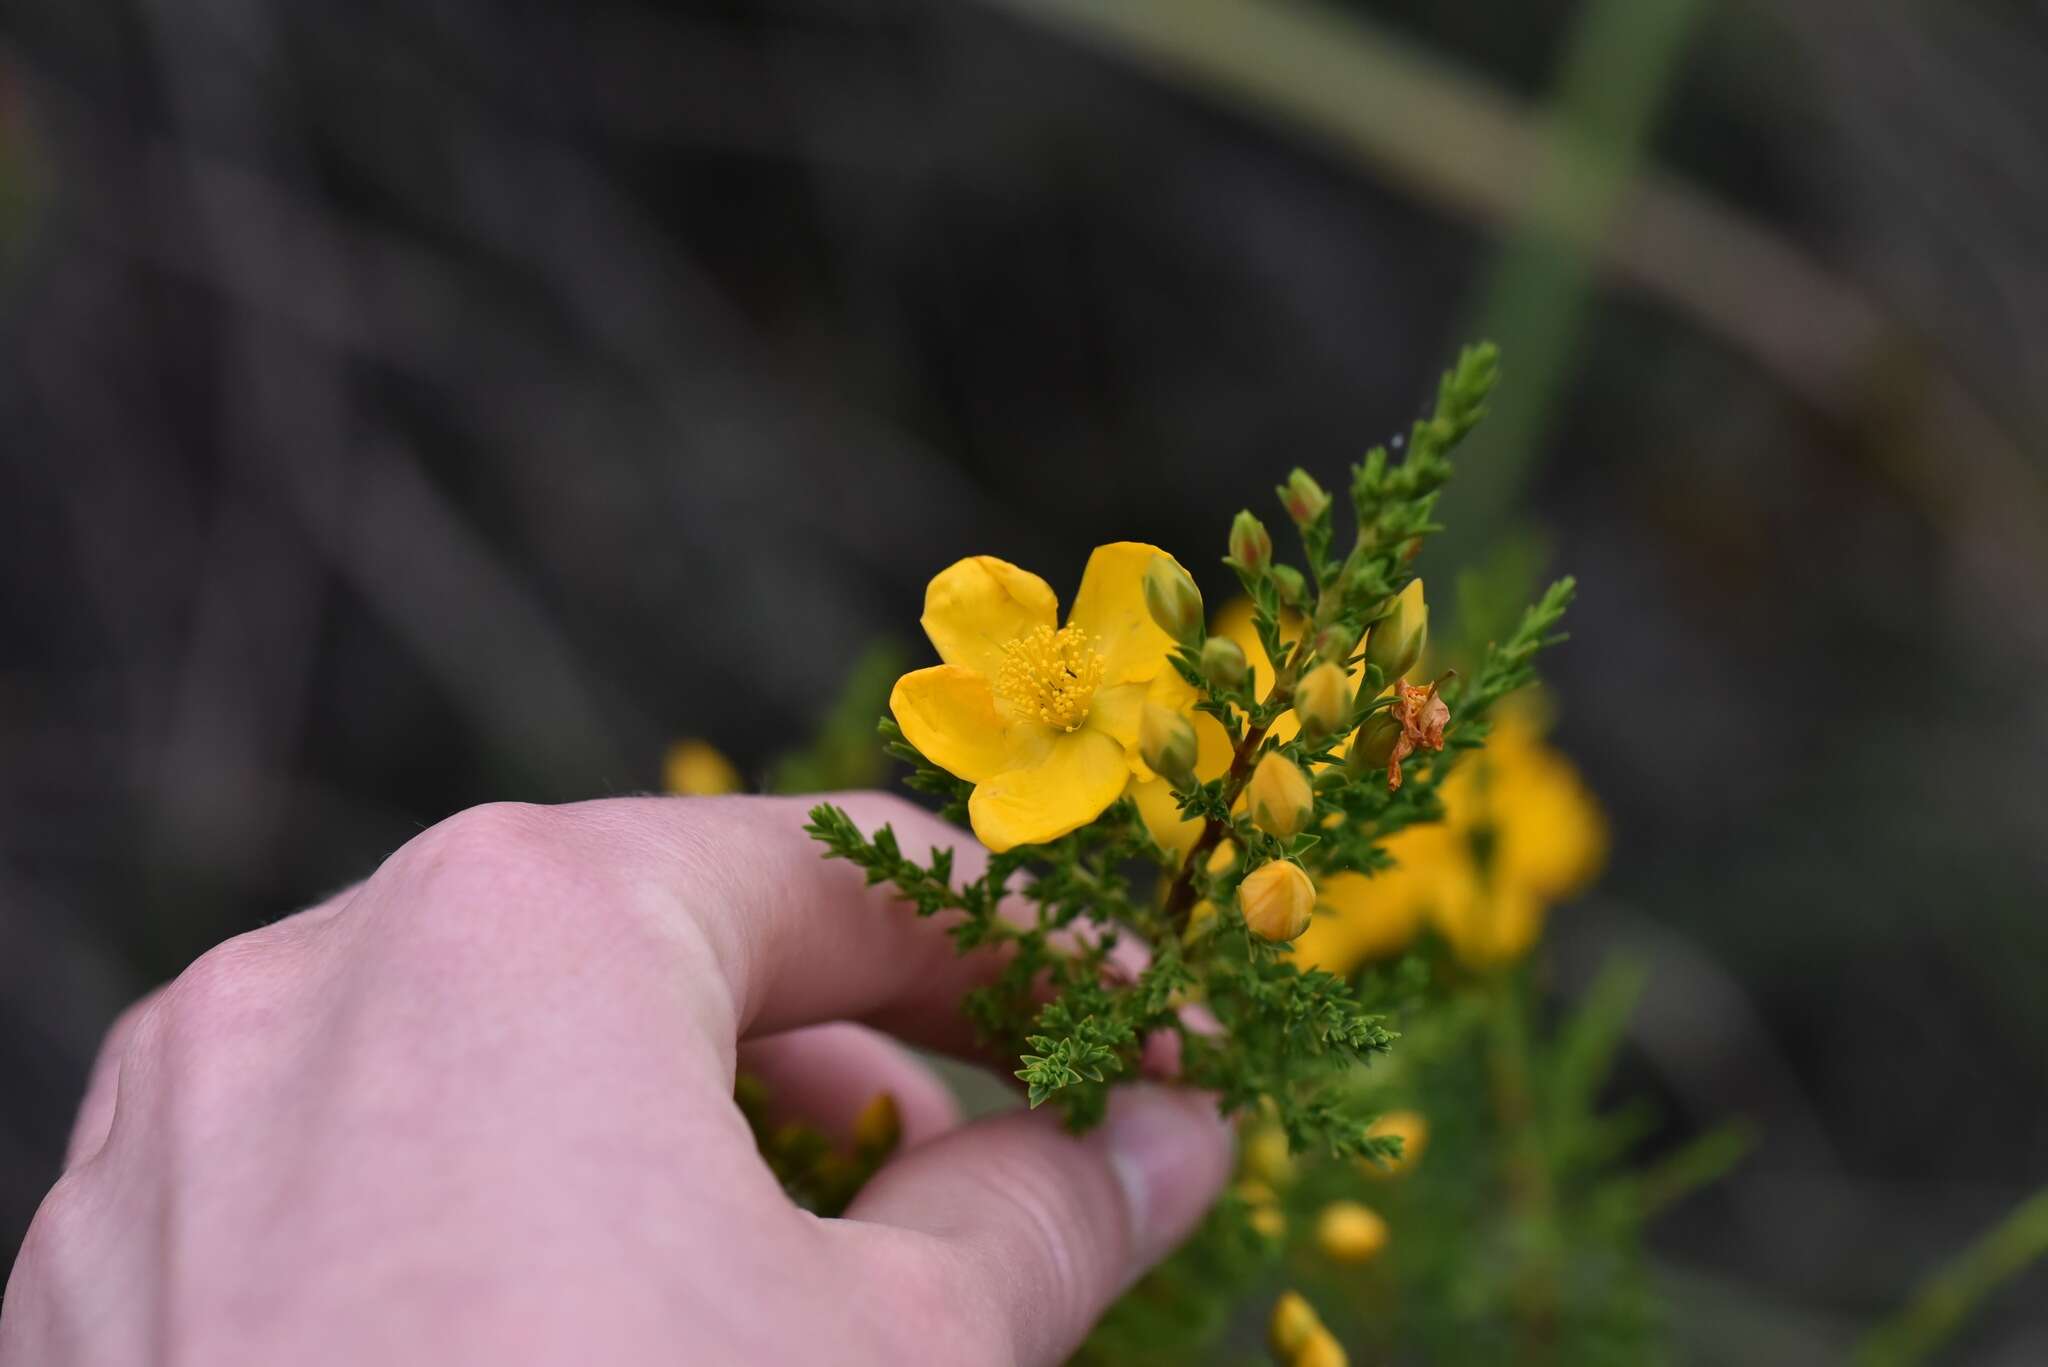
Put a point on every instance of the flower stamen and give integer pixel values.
(1050, 676)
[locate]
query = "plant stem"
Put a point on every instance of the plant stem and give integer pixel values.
(1947, 1298)
(1180, 901)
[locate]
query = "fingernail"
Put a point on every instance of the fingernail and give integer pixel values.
(1170, 1151)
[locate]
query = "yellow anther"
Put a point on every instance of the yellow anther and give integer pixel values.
(1050, 676)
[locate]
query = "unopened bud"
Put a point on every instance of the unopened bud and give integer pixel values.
(1397, 639)
(694, 768)
(1321, 1349)
(1278, 899)
(1322, 700)
(1348, 1232)
(1335, 643)
(1411, 1128)
(1173, 600)
(1250, 545)
(1304, 499)
(1268, 1156)
(878, 1128)
(1167, 742)
(1293, 589)
(1279, 796)
(1223, 663)
(1294, 1322)
(1373, 746)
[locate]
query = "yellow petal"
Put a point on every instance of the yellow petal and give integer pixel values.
(1162, 816)
(1362, 918)
(1115, 713)
(1486, 926)
(974, 605)
(1553, 837)
(1111, 608)
(1068, 787)
(949, 714)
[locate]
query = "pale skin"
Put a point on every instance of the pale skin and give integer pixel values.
(478, 1109)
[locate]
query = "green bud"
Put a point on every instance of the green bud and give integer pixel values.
(1223, 663)
(1335, 643)
(1373, 747)
(1250, 545)
(1322, 700)
(1173, 600)
(1397, 639)
(1167, 741)
(1293, 588)
(1305, 499)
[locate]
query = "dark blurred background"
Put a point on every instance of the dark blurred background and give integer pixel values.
(408, 405)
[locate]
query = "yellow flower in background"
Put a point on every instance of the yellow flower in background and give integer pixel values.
(1411, 1128)
(1041, 718)
(695, 768)
(1349, 1232)
(1520, 833)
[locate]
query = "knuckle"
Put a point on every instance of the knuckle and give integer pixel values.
(489, 840)
(115, 1043)
(54, 1243)
(219, 987)
(487, 877)
(482, 856)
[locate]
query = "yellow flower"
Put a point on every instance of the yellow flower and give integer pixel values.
(1543, 837)
(696, 769)
(1042, 719)
(1348, 1232)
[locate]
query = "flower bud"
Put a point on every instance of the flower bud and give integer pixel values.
(1292, 587)
(1173, 600)
(1374, 744)
(1281, 801)
(1335, 643)
(1269, 1221)
(1411, 1128)
(694, 768)
(1304, 498)
(1294, 1322)
(1223, 663)
(1250, 546)
(878, 1128)
(1322, 700)
(1167, 742)
(1320, 1349)
(1396, 641)
(1267, 1155)
(1278, 900)
(1348, 1232)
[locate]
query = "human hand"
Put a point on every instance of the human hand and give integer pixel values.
(479, 1109)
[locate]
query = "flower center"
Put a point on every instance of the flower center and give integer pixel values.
(1050, 676)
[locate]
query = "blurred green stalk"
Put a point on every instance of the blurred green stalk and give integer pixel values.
(1616, 69)
(1948, 1298)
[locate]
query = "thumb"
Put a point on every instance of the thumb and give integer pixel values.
(1049, 1229)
